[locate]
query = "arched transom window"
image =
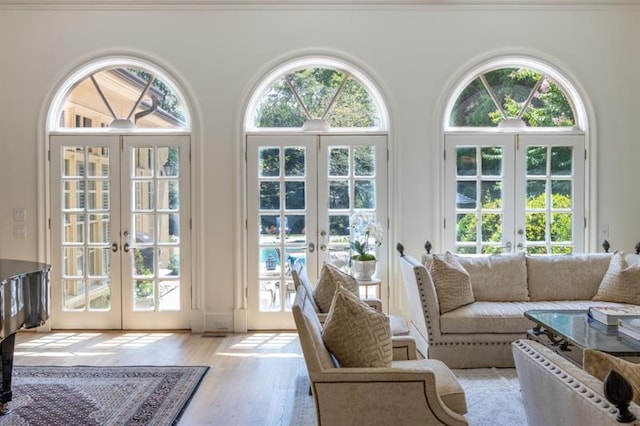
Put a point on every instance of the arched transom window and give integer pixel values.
(123, 97)
(316, 96)
(513, 97)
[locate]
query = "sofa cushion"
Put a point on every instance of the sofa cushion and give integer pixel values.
(503, 317)
(330, 278)
(452, 282)
(566, 277)
(598, 364)
(356, 334)
(497, 278)
(621, 283)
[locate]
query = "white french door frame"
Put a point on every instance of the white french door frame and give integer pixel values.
(318, 240)
(514, 179)
(113, 196)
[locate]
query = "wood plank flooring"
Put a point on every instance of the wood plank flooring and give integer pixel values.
(252, 380)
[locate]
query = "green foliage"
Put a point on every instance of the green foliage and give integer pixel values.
(169, 101)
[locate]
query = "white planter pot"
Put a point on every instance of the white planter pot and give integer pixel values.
(364, 270)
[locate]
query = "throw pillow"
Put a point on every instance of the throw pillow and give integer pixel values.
(598, 364)
(497, 278)
(330, 277)
(621, 283)
(452, 282)
(357, 335)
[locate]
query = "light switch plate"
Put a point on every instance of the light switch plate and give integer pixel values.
(19, 214)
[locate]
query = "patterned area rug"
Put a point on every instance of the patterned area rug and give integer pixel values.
(81, 395)
(493, 398)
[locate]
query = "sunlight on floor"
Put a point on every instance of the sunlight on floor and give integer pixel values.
(266, 341)
(51, 343)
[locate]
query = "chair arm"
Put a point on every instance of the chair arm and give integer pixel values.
(404, 348)
(381, 396)
(374, 303)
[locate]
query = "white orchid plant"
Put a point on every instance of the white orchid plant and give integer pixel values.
(367, 236)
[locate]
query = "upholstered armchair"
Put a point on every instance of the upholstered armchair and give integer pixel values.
(407, 392)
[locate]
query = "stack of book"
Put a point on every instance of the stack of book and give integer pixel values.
(629, 327)
(610, 315)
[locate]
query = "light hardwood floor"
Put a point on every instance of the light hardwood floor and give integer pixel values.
(252, 380)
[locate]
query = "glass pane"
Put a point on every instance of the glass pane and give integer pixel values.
(466, 228)
(144, 262)
(561, 249)
(73, 229)
(73, 195)
(144, 226)
(73, 161)
(270, 261)
(268, 228)
(339, 229)
(99, 228)
(536, 250)
(491, 161)
(536, 226)
(294, 161)
(295, 196)
(269, 162)
(99, 295)
(338, 162)
(473, 108)
(169, 295)
(466, 195)
(492, 228)
(561, 160)
(561, 194)
(169, 161)
(466, 161)
(168, 230)
(142, 159)
(364, 160)
(561, 227)
(97, 199)
(491, 250)
(99, 261)
(170, 262)
(354, 107)
(143, 195)
(536, 194)
(168, 195)
(338, 194)
(296, 227)
(491, 194)
(73, 261)
(73, 291)
(364, 196)
(269, 295)
(466, 250)
(144, 295)
(269, 195)
(98, 161)
(536, 160)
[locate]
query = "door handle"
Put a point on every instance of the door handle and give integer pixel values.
(125, 248)
(312, 247)
(114, 247)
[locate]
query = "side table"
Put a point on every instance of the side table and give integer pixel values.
(373, 282)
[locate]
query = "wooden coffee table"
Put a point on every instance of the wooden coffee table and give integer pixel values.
(569, 332)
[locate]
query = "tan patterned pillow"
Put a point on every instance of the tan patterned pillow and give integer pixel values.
(452, 282)
(598, 364)
(357, 335)
(330, 277)
(621, 283)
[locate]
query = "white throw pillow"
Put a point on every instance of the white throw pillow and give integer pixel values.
(452, 282)
(621, 283)
(357, 335)
(330, 278)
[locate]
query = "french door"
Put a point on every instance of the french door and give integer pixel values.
(120, 231)
(302, 192)
(514, 193)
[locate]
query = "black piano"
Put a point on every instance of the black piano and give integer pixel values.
(24, 303)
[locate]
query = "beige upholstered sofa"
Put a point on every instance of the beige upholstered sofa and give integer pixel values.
(557, 392)
(480, 334)
(407, 392)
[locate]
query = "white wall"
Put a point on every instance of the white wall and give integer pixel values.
(219, 53)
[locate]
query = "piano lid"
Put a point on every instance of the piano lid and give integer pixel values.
(10, 268)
